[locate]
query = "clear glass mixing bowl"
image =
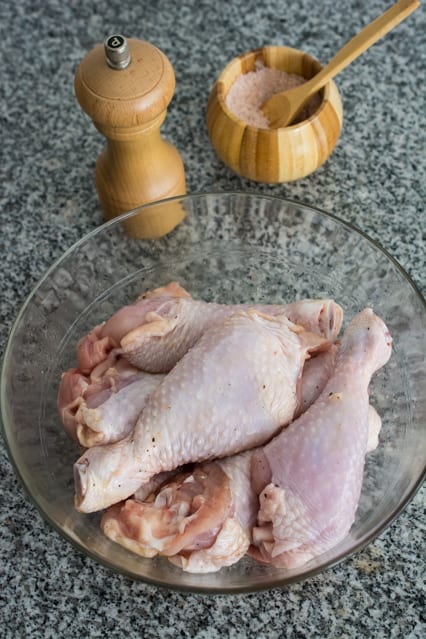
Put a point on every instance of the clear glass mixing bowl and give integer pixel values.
(229, 247)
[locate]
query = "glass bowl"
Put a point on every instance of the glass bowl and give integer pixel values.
(230, 247)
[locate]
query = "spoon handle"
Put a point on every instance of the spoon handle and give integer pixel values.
(363, 40)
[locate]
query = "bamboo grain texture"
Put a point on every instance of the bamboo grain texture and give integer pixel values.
(273, 155)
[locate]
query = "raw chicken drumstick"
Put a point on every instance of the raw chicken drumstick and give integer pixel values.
(161, 326)
(312, 471)
(202, 519)
(103, 407)
(316, 373)
(149, 308)
(231, 392)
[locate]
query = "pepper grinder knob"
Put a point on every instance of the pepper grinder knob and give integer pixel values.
(117, 52)
(125, 86)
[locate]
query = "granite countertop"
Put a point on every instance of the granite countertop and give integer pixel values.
(375, 179)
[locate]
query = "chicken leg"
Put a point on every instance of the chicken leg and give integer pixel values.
(312, 471)
(231, 392)
(161, 326)
(203, 519)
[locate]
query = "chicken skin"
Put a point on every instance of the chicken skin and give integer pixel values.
(172, 521)
(312, 471)
(232, 391)
(162, 325)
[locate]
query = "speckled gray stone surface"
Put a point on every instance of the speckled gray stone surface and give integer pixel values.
(375, 179)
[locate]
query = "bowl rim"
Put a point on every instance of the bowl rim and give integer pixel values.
(258, 53)
(209, 590)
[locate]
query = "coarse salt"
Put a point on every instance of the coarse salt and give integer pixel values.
(250, 90)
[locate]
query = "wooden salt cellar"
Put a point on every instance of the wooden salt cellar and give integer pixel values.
(273, 155)
(125, 86)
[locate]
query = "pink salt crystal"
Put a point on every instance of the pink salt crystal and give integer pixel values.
(250, 90)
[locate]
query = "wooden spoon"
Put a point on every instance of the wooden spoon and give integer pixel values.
(282, 108)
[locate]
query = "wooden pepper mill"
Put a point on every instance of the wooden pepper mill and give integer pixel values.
(125, 86)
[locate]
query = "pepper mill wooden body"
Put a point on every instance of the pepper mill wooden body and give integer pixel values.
(125, 86)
